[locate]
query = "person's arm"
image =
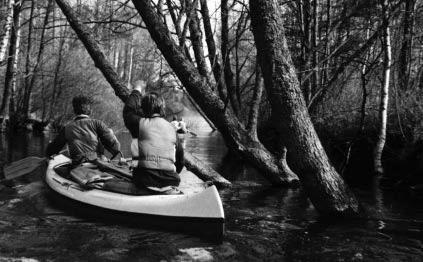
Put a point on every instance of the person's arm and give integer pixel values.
(107, 138)
(57, 144)
(179, 163)
(132, 114)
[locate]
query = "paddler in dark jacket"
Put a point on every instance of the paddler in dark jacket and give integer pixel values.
(132, 109)
(160, 150)
(84, 136)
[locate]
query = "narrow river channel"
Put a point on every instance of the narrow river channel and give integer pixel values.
(262, 222)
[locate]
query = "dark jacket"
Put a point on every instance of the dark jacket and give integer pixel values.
(132, 111)
(85, 138)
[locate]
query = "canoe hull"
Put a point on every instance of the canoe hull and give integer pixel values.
(204, 224)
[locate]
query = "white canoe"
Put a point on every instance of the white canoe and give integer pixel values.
(200, 213)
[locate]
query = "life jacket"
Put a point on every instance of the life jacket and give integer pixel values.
(156, 144)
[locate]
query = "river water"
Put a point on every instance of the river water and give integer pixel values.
(262, 222)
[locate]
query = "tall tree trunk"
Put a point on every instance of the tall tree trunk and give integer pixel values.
(131, 61)
(211, 47)
(316, 68)
(27, 76)
(384, 92)
(255, 103)
(227, 70)
(326, 189)
(405, 51)
(12, 65)
(28, 89)
(118, 85)
(364, 71)
(7, 30)
(56, 87)
(326, 63)
(197, 41)
(115, 54)
(232, 130)
(306, 48)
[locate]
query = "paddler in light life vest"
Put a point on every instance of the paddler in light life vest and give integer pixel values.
(159, 148)
(86, 137)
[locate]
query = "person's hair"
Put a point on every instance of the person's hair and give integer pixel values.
(152, 103)
(82, 105)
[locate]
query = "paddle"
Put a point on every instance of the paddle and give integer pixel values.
(22, 167)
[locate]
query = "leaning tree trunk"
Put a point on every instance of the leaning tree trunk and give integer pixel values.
(193, 164)
(235, 134)
(12, 65)
(7, 30)
(326, 189)
(384, 92)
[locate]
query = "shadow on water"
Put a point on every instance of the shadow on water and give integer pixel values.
(262, 222)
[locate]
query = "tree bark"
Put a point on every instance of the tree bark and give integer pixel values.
(197, 41)
(306, 47)
(117, 84)
(316, 68)
(384, 92)
(326, 189)
(363, 77)
(25, 110)
(56, 86)
(12, 65)
(227, 70)
(131, 62)
(405, 51)
(326, 63)
(255, 103)
(211, 47)
(7, 30)
(234, 133)
(27, 77)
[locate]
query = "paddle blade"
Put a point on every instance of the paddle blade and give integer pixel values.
(22, 167)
